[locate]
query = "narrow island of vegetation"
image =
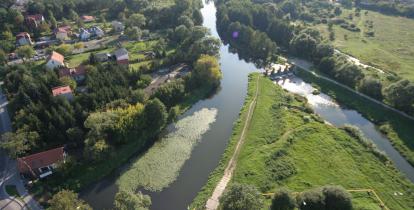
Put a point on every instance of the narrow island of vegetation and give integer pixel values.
(290, 151)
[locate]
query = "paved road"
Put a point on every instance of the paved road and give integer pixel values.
(8, 170)
(306, 65)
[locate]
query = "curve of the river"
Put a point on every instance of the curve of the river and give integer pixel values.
(207, 153)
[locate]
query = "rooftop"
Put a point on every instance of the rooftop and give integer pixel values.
(40, 160)
(61, 90)
(56, 57)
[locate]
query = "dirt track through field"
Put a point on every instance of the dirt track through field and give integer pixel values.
(213, 201)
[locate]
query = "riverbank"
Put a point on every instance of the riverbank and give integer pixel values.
(84, 175)
(397, 128)
(288, 146)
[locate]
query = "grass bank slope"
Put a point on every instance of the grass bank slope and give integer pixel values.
(288, 146)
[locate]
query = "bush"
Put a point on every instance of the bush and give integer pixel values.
(337, 198)
(311, 200)
(283, 200)
(241, 197)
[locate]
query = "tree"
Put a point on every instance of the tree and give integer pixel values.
(349, 74)
(25, 52)
(133, 33)
(78, 45)
(171, 93)
(136, 19)
(67, 80)
(67, 200)
(371, 87)
(241, 197)
(3, 57)
(129, 201)
(311, 200)
(401, 95)
(155, 116)
(19, 142)
(207, 71)
(64, 49)
(337, 198)
(327, 65)
(283, 200)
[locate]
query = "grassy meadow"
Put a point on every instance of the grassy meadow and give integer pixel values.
(391, 48)
(288, 146)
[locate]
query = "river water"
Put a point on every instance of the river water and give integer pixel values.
(228, 102)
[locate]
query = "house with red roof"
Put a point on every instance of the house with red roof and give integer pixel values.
(64, 91)
(34, 21)
(23, 38)
(78, 73)
(55, 60)
(62, 33)
(41, 164)
(87, 18)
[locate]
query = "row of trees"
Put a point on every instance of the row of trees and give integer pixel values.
(240, 197)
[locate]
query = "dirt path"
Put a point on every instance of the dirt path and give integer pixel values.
(213, 201)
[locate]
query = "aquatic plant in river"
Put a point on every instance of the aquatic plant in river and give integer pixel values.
(161, 164)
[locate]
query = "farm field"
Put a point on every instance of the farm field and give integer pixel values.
(391, 48)
(287, 146)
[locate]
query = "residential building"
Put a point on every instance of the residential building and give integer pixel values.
(23, 38)
(87, 18)
(121, 56)
(41, 164)
(96, 31)
(64, 91)
(84, 34)
(62, 33)
(78, 73)
(34, 21)
(118, 26)
(55, 60)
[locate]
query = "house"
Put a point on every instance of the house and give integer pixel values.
(64, 91)
(41, 164)
(55, 60)
(62, 33)
(102, 57)
(84, 34)
(34, 21)
(87, 18)
(118, 26)
(23, 38)
(121, 56)
(96, 31)
(78, 73)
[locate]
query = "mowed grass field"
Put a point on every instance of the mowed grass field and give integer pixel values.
(391, 48)
(286, 146)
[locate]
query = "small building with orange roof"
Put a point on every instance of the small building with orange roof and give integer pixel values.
(64, 91)
(55, 60)
(41, 164)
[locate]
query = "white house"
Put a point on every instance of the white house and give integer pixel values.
(84, 34)
(96, 31)
(118, 26)
(23, 38)
(55, 60)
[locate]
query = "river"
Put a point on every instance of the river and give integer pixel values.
(228, 102)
